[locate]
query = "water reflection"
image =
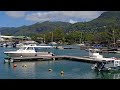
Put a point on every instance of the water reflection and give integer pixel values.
(116, 76)
(107, 75)
(8, 65)
(40, 69)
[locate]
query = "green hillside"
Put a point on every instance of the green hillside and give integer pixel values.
(106, 19)
(99, 30)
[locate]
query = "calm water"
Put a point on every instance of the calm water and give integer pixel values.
(39, 69)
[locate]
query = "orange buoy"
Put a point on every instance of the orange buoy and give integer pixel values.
(14, 65)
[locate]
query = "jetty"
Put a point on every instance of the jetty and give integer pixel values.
(46, 58)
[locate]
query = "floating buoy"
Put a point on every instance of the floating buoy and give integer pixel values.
(50, 70)
(14, 65)
(24, 65)
(62, 72)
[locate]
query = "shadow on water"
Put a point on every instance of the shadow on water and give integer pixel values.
(8, 65)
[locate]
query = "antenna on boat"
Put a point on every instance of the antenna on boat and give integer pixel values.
(81, 38)
(52, 37)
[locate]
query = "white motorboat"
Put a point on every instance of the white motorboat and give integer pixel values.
(107, 65)
(95, 55)
(29, 51)
(104, 64)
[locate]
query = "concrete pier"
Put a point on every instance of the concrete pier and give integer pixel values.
(46, 58)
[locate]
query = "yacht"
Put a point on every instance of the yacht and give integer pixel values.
(29, 51)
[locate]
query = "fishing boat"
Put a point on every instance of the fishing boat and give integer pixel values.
(29, 51)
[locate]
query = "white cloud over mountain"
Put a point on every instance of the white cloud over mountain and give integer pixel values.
(63, 15)
(67, 16)
(72, 21)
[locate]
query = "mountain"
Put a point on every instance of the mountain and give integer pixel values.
(35, 28)
(105, 20)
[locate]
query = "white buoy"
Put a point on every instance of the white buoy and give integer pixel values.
(24, 65)
(62, 72)
(50, 69)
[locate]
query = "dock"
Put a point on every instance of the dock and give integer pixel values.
(46, 58)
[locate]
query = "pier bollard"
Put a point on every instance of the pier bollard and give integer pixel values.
(54, 59)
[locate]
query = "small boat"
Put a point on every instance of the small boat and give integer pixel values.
(93, 53)
(29, 51)
(64, 47)
(105, 64)
(8, 60)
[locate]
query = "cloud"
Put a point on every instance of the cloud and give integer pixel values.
(15, 14)
(44, 16)
(82, 14)
(72, 21)
(63, 16)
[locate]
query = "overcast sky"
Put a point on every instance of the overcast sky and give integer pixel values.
(20, 18)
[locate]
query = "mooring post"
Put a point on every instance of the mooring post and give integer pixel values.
(54, 59)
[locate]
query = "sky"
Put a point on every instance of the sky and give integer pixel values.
(20, 18)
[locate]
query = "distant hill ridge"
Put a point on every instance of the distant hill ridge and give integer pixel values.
(106, 19)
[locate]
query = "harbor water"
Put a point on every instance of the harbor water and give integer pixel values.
(52, 69)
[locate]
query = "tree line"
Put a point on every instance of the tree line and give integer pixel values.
(108, 36)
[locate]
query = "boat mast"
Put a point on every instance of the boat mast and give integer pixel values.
(81, 38)
(44, 38)
(114, 38)
(0, 36)
(52, 37)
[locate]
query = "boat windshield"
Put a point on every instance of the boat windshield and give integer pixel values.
(37, 49)
(22, 48)
(30, 48)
